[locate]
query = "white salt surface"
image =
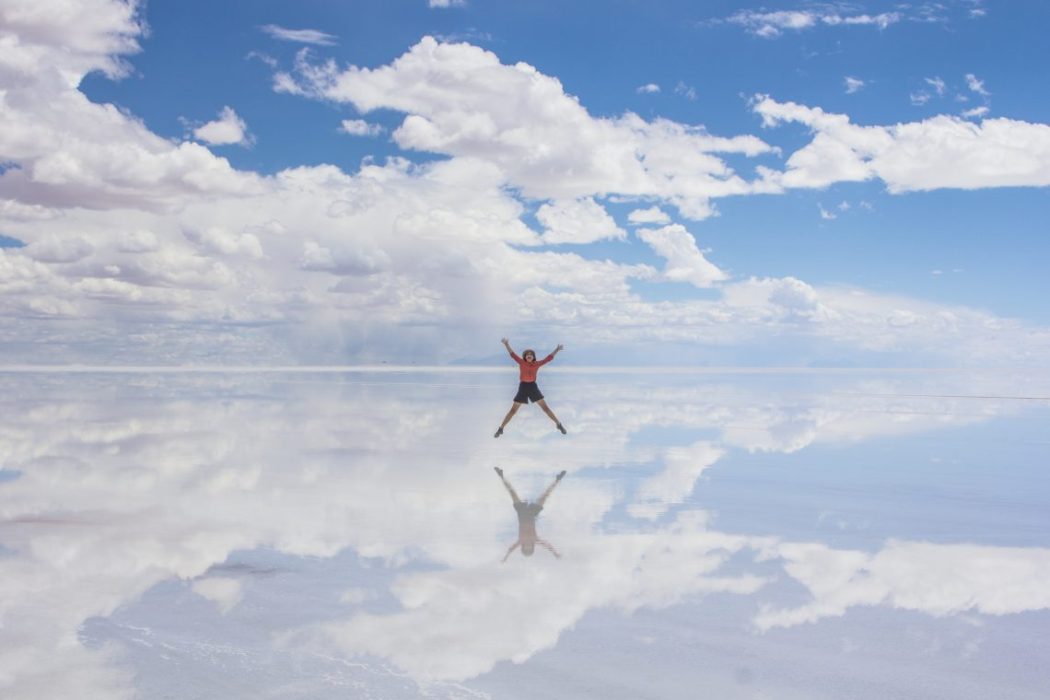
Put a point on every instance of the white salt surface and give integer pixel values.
(339, 534)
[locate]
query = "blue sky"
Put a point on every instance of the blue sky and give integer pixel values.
(923, 231)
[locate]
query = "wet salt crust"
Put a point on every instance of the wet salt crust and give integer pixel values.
(739, 534)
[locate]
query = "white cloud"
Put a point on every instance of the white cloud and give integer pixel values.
(975, 112)
(825, 214)
(446, 3)
(126, 229)
(685, 262)
(648, 88)
(227, 130)
(881, 20)
(92, 35)
(769, 24)
(853, 85)
(72, 152)
(937, 84)
(976, 85)
(787, 298)
(221, 241)
(300, 36)
(652, 215)
(772, 24)
(940, 152)
(919, 98)
(461, 101)
(265, 58)
(686, 91)
(577, 221)
(359, 127)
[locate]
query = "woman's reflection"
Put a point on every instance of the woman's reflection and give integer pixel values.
(528, 511)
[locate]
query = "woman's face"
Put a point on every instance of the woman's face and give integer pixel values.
(530, 357)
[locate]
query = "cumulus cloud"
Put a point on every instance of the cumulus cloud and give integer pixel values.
(359, 127)
(577, 221)
(227, 130)
(652, 215)
(300, 36)
(72, 152)
(939, 152)
(461, 101)
(648, 88)
(93, 36)
(318, 264)
(685, 262)
(446, 3)
(221, 241)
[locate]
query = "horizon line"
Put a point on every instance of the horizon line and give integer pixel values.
(583, 369)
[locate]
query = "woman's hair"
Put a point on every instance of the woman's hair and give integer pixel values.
(527, 351)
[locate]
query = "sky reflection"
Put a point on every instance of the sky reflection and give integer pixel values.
(162, 533)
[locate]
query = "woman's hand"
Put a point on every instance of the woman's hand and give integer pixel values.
(504, 341)
(559, 348)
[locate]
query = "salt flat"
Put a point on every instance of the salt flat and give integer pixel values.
(314, 534)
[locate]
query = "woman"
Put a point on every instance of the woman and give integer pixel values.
(527, 389)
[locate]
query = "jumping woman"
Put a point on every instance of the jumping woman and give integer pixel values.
(527, 389)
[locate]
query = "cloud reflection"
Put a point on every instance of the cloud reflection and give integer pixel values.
(936, 579)
(124, 484)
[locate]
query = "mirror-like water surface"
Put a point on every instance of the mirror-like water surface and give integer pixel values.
(334, 535)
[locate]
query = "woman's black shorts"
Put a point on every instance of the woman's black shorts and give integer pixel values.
(528, 391)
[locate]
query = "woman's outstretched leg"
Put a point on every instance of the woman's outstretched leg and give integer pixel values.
(543, 498)
(510, 489)
(550, 414)
(510, 414)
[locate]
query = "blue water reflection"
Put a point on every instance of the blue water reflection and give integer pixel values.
(818, 534)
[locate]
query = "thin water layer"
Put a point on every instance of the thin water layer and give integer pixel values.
(332, 535)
